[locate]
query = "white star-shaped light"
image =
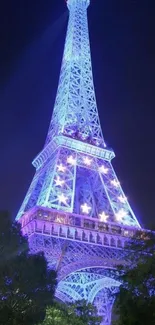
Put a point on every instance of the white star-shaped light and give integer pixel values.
(85, 208)
(103, 169)
(71, 160)
(87, 161)
(120, 214)
(62, 198)
(122, 199)
(103, 217)
(115, 183)
(59, 182)
(61, 168)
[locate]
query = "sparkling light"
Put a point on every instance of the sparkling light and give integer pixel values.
(87, 161)
(122, 198)
(59, 182)
(103, 169)
(103, 217)
(115, 183)
(61, 168)
(85, 208)
(120, 214)
(62, 198)
(71, 160)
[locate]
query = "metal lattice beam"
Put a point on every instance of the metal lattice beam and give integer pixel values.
(75, 210)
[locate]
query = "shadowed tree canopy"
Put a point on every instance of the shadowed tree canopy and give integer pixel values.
(27, 286)
(12, 242)
(135, 302)
(79, 313)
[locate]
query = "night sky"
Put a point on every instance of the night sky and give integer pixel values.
(123, 56)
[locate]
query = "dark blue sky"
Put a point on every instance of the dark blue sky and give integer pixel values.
(123, 55)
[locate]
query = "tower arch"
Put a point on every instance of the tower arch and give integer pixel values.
(94, 285)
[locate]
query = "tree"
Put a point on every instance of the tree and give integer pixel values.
(60, 315)
(27, 286)
(86, 312)
(135, 301)
(79, 313)
(12, 242)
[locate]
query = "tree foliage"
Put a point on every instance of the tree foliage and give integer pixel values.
(79, 313)
(26, 284)
(135, 301)
(12, 242)
(86, 312)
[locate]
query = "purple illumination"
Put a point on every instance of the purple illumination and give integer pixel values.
(75, 209)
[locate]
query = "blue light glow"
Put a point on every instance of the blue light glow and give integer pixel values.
(75, 209)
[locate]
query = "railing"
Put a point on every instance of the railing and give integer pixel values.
(80, 221)
(71, 143)
(75, 227)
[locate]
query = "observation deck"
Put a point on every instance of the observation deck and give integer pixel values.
(73, 144)
(81, 228)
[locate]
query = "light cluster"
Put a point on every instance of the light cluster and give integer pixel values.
(103, 169)
(87, 161)
(122, 199)
(59, 182)
(120, 215)
(71, 160)
(61, 168)
(85, 208)
(115, 183)
(62, 198)
(103, 217)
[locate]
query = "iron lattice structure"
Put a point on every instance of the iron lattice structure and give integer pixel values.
(75, 209)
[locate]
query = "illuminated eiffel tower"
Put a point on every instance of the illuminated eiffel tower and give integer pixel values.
(75, 209)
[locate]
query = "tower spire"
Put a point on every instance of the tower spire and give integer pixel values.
(75, 111)
(74, 171)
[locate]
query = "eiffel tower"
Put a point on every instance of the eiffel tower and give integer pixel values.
(75, 209)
